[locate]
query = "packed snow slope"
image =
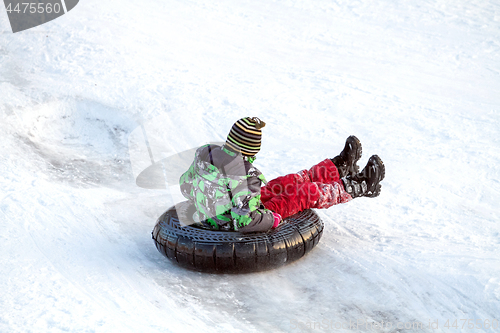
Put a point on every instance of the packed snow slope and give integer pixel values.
(417, 82)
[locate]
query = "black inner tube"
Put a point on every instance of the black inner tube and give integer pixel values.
(233, 252)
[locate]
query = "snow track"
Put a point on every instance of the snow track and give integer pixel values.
(417, 83)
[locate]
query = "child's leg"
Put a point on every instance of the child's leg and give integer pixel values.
(281, 184)
(323, 172)
(307, 195)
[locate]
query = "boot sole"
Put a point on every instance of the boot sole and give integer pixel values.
(377, 161)
(354, 142)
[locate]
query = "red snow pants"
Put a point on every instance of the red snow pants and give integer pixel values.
(318, 187)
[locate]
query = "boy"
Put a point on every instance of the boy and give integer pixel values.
(226, 188)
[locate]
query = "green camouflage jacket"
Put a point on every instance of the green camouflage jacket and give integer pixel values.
(225, 189)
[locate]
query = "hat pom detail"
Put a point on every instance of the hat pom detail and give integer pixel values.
(258, 123)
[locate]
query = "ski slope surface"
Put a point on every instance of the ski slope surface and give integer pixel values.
(417, 82)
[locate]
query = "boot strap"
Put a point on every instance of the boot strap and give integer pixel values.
(354, 188)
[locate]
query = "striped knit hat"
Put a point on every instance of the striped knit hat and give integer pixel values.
(245, 136)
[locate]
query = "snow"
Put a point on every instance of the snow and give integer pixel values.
(416, 82)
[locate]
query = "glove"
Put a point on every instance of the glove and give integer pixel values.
(277, 219)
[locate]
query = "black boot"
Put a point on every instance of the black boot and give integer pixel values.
(346, 161)
(367, 182)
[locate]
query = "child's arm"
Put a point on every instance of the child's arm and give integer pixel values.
(248, 212)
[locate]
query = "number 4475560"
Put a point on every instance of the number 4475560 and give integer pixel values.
(33, 8)
(471, 323)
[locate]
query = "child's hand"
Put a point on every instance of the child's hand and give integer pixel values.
(277, 219)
